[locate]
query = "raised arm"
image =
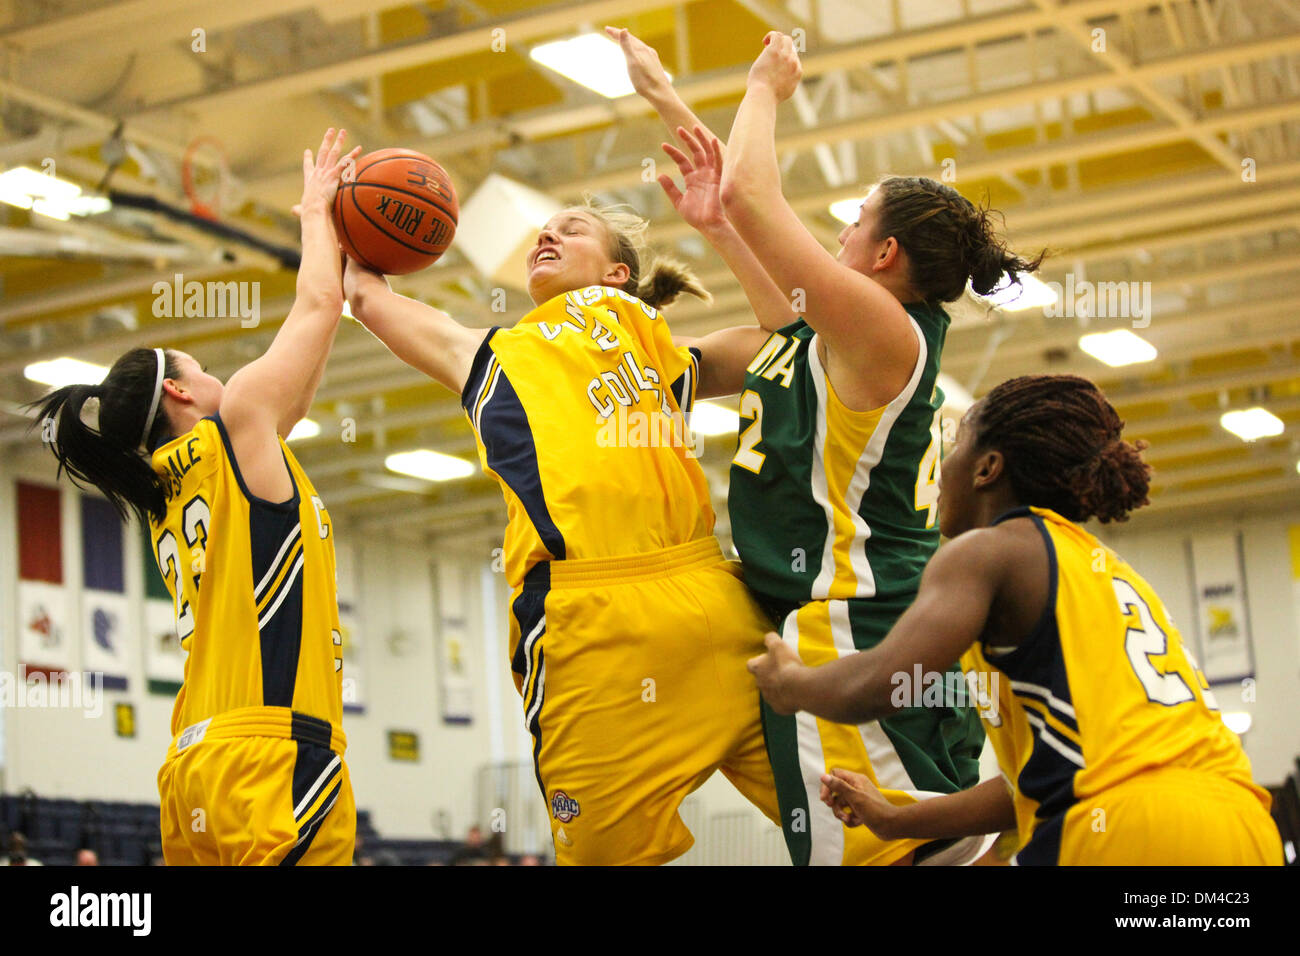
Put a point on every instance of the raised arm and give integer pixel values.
(423, 337)
(950, 612)
(263, 396)
(857, 317)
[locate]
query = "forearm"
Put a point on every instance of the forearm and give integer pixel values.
(985, 808)
(308, 394)
(851, 690)
(423, 337)
(273, 388)
(672, 109)
(750, 171)
(771, 307)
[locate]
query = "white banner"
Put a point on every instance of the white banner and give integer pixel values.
(164, 661)
(106, 636)
(454, 664)
(354, 681)
(1222, 621)
(44, 630)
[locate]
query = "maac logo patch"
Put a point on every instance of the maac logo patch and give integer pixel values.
(563, 807)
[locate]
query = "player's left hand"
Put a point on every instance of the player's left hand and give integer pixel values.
(778, 673)
(777, 66)
(643, 67)
(321, 176)
(700, 202)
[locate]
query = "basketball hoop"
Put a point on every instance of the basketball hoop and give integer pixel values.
(205, 177)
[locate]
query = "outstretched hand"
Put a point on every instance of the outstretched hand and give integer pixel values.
(700, 202)
(777, 66)
(643, 67)
(321, 175)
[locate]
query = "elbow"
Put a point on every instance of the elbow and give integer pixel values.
(739, 202)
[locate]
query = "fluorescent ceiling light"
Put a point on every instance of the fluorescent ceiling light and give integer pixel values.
(592, 60)
(1030, 293)
(65, 371)
(429, 465)
(709, 418)
(1251, 423)
(1118, 347)
(25, 188)
(306, 428)
(846, 210)
(1238, 721)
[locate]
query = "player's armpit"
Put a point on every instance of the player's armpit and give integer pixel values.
(724, 357)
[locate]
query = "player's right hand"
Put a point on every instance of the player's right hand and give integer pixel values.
(777, 66)
(357, 280)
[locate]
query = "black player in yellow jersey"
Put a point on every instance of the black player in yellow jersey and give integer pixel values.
(1109, 740)
(255, 771)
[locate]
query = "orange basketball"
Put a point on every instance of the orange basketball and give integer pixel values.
(398, 213)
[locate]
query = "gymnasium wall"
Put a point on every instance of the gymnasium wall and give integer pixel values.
(430, 643)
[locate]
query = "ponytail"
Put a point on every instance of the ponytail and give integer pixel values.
(948, 240)
(665, 279)
(109, 457)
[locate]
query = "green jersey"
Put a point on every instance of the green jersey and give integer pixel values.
(829, 503)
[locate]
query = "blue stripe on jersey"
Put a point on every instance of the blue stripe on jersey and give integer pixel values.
(684, 388)
(277, 554)
(507, 438)
(1037, 672)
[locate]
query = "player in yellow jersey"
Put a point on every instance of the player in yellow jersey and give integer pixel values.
(1109, 740)
(628, 629)
(255, 771)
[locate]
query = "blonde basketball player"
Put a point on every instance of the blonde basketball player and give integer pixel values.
(255, 771)
(628, 629)
(832, 484)
(1110, 742)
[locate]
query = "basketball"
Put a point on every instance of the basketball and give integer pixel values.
(397, 215)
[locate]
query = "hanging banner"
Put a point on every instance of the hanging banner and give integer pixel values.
(164, 661)
(454, 667)
(1222, 621)
(44, 634)
(350, 633)
(105, 632)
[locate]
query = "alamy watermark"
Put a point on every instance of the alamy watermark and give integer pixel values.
(194, 299)
(61, 689)
(917, 688)
(1100, 300)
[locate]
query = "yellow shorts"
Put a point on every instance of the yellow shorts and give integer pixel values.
(257, 786)
(1168, 817)
(919, 753)
(635, 691)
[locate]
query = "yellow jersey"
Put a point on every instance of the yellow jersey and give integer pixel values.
(1103, 690)
(255, 593)
(580, 415)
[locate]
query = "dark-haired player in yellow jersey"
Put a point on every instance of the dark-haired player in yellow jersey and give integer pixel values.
(255, 771)
(1110, 742)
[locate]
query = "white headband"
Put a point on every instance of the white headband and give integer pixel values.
(157, 394)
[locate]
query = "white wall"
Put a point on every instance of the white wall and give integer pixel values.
(392, 581)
